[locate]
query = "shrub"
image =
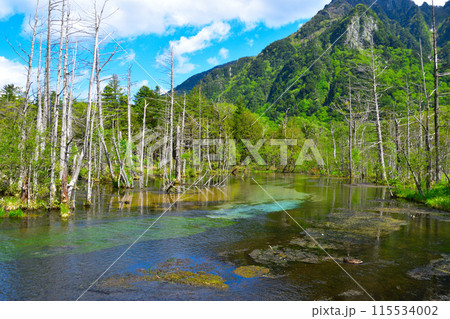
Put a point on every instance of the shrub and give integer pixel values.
(18, 213)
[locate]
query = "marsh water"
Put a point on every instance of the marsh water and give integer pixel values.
(45, 257)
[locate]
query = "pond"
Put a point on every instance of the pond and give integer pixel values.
(216, 233)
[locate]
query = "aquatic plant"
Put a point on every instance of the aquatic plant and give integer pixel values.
(13, 203)
(436, 268)
(65, 210)
(251, 271)
(281, 256)
(361, 223)
(84, 238)
(17, 213)
(176, 271)
(248, 211)
(184, 277)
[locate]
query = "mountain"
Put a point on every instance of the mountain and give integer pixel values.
(322, 43)
(190, 83)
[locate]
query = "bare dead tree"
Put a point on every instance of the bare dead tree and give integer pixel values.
(98, 16)
(436, 98)
(55, 117)
(427, 124)
(141, 180)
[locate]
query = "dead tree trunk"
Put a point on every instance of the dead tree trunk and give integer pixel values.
(80, 158)
(129, 158)
(375, 96)
(350, 131)
(63, 143)
(24, 176)
(178, 156)
(47, 94)
(427, 125)
(171, 114)
(55, 116)
(141, 178)
(436, 100)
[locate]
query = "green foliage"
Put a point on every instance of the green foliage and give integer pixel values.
(18, 213)
(437, 197)
(260, 82)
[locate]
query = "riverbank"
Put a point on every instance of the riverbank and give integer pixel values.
(14, 207)
(438, 197)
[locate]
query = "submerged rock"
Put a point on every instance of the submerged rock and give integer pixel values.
(352, 261)
(436, 268)
(365, 224)
(306, 242)
(169, 271)
(281, 256)
(184, 277)
(252, 271)
(351, 293)
(121, 281)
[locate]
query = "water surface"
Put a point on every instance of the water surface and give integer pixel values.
(49, 258)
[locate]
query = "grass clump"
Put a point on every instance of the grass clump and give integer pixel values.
(437, 197)
(65, 210)
(13, 203)
(17, 213)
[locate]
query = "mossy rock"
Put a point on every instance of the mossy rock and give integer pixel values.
(184, 277)
(283, 256)
(174, 276)
(365, 224)
(252, 271)
(310, 244)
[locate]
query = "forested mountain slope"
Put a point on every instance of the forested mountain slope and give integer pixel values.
(397, 27)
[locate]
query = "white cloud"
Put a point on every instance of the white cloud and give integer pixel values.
(142, 83)
(10, 7)
(183, 68)
(128, 57)
(213, 61)
(224, 53)
(12, 73)
(137, 17)
(217, 31)
(250, 42)
(186, 46)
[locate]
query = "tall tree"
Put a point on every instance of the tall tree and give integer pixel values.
(436, 98)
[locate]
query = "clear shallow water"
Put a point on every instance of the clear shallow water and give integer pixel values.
(47, 258)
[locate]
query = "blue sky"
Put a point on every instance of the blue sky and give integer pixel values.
(203, 33)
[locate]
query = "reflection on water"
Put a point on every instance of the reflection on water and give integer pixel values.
(48, 258)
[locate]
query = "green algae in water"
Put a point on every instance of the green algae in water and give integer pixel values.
(184, 277)
(70, 238)
(248, 211)
(364, 224)
(251, 271)
(175, 271)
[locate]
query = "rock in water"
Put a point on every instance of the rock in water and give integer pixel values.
(251, 271)
(352, 261)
